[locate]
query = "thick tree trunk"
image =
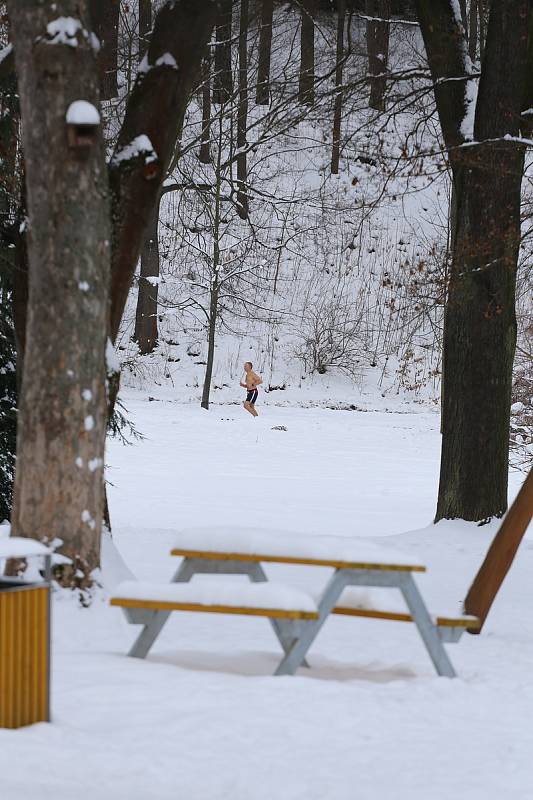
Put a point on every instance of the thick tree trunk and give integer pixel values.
(146, 333)
(337, 114)
(377, 40)
(306, 87)
(479, 338)
(262, 94)
(145, 26)
(62, 415)
(205, 144)
(155, 112)
(242, 114)
(223, 77)
(105, 16)
(480, 325)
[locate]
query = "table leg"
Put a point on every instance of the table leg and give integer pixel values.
(426, 627)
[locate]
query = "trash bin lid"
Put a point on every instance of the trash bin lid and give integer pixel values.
(20, 547)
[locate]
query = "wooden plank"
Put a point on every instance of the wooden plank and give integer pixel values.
(500, 555)
(398, 616)
(160, 605)
(315, 562)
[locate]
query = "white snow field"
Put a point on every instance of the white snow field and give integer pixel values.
(202, 718)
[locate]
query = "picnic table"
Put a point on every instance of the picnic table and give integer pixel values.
(295, 616)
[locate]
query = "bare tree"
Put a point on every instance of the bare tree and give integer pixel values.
(242, 113)
(306, 91)
(223, 76)
(377, 37)
(480, 322)
(145, 26)
(62, 419)
(262, 94)
(205, 150)
(337, 113)
(146, 333)
(105, 17)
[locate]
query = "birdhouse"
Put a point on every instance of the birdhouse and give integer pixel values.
(83, 123)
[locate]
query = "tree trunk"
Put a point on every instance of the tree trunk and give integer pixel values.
(502, 551)
(337, 114)
(483, 11)
(146, 333)
(105, 16)
(262, 95)
(213, 314)
(242, 114)
(62, 414)
(155, 110)
(377, 40)
(480, 324)
(145, 26)
(479, 339)
(205, 145)
(223, 78)
(473, 30)
(306, 88)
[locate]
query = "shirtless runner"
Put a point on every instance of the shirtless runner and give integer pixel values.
(251, 382)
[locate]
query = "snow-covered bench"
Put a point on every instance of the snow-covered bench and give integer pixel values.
(150, 605)
(272, 600)
(295, 617)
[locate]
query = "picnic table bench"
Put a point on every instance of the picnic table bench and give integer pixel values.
(294, 615)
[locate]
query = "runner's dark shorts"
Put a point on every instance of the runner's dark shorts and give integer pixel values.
(251, 396)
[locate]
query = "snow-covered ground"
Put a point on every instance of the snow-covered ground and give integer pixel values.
(202, 718)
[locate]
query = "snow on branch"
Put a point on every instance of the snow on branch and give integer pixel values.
(166, 60)
(140, 146)
(5, 52)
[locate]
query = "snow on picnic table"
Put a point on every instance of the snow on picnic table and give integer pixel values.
(289, 544)
(202, 717)
(228, 593)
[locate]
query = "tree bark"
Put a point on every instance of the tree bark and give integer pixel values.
(337, 113)
(377, 40)
(242, 114)
(105, 16)
(499, 558)
(480, 324)
(145, 26)
(205, 144)
(223, 77)
(262, 94)
(156, 109)
(146, 333)
(473, 30)
(62, 414)
(306, 88)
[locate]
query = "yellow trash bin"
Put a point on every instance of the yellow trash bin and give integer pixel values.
(24, 639)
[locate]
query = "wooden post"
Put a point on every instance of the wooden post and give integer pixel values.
(501, 553)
